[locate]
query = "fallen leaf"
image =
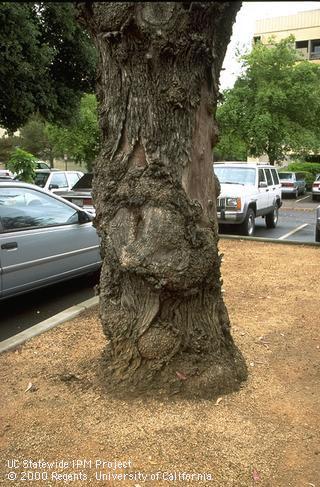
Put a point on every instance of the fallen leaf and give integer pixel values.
(255, 475)
(218, 401)
(181, 376)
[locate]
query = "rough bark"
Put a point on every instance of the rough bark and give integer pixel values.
(160, 292)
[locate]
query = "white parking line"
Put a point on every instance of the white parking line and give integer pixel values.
(297, 201)
(293, 231)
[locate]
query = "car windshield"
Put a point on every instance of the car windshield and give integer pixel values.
(285, 175)
(41, 179)
(235, 175)
(84, 183)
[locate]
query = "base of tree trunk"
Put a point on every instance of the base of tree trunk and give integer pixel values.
(187, 375)
(161, 364)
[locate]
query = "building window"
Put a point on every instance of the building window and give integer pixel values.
(315, 49)
(302, 45)
(302, 48)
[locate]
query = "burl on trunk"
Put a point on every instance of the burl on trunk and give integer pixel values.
(160, 292)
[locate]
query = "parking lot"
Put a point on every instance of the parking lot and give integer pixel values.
(296, 221)
(296, 224)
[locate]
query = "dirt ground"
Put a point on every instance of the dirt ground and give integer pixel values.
(54, 409)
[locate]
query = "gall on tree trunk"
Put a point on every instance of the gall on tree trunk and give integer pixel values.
(161, 305)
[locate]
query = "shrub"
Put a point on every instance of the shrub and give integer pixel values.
(23, 164)
(311, 167)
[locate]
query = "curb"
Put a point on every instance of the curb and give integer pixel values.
(270, 240)
(46, 325)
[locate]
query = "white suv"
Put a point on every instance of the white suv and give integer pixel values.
(248, 190)
(55, 180)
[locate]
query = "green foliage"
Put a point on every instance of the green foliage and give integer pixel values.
(230, 148)
(7, 144)
(33, 137)
(23, 164)
(46, 63)
(79, 141)
(311, 167)
(274, 106)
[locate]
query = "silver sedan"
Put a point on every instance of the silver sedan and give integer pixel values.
(43, 239)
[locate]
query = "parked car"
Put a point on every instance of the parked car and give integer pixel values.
(5, 173)
(292, 183)
(318, 225)
(316, 188)
(80, 193)
(5, 178)
(57, 181)
(248, 190)
(43, 239)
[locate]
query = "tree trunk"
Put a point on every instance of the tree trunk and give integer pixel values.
(160, 291)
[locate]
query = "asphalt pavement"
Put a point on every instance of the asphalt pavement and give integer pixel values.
(22, 312)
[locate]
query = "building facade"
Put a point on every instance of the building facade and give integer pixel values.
(305, 26)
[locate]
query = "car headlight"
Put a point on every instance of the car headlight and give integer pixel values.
(234, 203)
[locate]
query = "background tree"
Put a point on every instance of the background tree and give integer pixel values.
(47, 62)
(79, 140)
(274, 106)
(160, 292)
(7, 145)
(33, 137)
(230, 147)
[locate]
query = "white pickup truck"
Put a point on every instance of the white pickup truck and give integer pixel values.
(248, 190)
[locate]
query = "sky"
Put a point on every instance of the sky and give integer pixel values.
(243, 30)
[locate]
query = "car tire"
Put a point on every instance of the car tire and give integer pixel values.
(272, 218)
(317, 235)
(247, 227)
(314, 197)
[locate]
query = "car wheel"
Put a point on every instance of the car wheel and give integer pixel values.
(314, 197)
(317, 235)
(247, 227)
(272, 218)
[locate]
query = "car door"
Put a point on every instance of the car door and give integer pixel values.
(276, 189)
(270, 188)
(263, 198)
(58, 182)
(42, 241)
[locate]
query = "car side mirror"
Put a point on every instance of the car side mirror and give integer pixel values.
(53, 186)
(84, 217)
(263, 184)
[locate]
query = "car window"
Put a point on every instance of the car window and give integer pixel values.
(285, 175)
(269, 177)
(262, 177)
(59, 179)
(42, 165)
(73, 178)
(235, 175)
(85, 182)
(275, 176)
(22, 208)
(41, 178)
